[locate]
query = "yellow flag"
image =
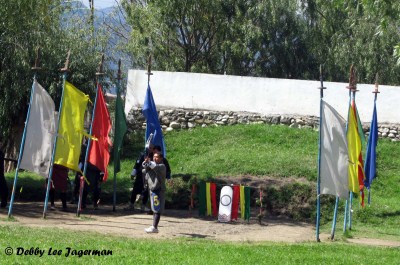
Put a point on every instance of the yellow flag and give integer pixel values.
(354, 150)
(242, 201)
(71, 129)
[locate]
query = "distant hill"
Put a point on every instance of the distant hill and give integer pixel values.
(113, 21)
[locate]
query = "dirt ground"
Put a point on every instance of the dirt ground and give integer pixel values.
(173, 224)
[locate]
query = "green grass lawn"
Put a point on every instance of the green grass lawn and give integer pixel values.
(179, 251)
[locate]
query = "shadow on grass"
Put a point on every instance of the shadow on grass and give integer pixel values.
(194, 235)
(389, 214)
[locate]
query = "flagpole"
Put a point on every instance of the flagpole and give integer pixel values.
(352, 93)
(335, 212)
(376, 91)
(147, 133)
(149, 73)
(65, 72)
(35, 69)
(319, 156)
(115, 122)
(351, 193)
(353, 90)
(346, 208)
(334, 218)
(98, 74)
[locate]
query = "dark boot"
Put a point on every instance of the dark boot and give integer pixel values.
(51, 195)
(63, 196)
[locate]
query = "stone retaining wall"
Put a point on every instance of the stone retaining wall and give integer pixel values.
(176, 119)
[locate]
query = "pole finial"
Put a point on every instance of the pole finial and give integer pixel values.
(352, 79)
(65, 68)
(376, 91)
(36, 67)
(321, 79)
(149, 73)
(100, 72)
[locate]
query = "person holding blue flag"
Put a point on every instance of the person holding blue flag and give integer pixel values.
(155, 181)
(157, 149)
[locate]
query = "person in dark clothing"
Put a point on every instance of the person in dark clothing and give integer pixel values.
(78, 174)
(60, 183)
(95, 177)
(76, 184)
(138, 191)
(3, 183)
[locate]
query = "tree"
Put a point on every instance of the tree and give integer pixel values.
(259, 38)
(180, 35)
(26, 25)
(343, 32)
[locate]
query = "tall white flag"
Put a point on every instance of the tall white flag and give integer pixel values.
(334, 155)
(40, 132)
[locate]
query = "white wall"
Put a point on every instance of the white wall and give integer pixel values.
(261, 95)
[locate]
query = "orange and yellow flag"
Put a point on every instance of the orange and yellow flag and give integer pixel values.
(356, 168)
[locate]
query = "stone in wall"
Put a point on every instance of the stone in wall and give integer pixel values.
(177, 119)
(285, 120)
(275, 119)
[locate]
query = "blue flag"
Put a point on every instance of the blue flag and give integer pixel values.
(152, 122)
(370, 160)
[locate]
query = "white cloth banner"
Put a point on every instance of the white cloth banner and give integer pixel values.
(40, 132)
(334, 155)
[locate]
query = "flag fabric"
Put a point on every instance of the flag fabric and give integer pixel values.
(235, 201)
(99, 154)
(211, 199)
(247, 203)
(333, 154)
(370, 158)
(360, 130)
(213, 194)
(242, 201)
(152, 122)
(120, 130)
(208, 199)
(356, 168)
(40, 131)
(71, 131)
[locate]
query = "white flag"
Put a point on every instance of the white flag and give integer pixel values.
(334, 156)
(40, 132)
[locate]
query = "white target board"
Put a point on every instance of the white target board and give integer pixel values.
(225, 204)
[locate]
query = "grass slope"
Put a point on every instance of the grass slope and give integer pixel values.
(258, 150)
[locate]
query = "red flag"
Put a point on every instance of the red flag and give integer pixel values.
(213, 191)
(99, 155)
(235, 202)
